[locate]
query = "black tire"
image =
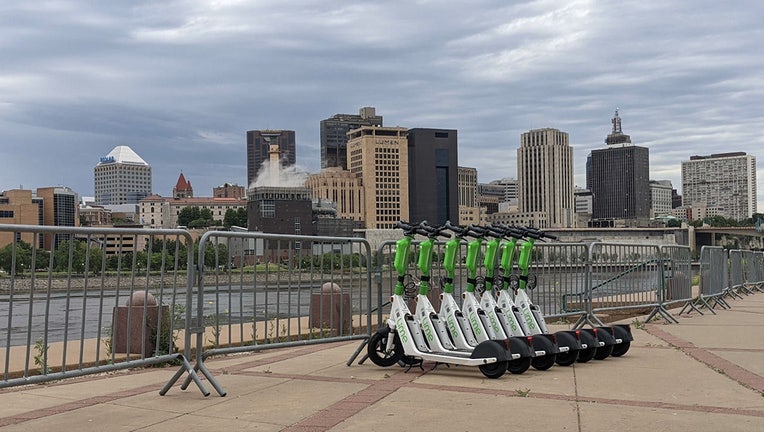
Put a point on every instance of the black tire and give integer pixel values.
(586, 354)
(519, 366)
(567, 358)
(376, 348)
(603, 352)
(546, 361)
(494, 370)
(620, 349)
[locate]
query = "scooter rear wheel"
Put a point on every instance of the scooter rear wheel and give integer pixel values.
(567, 358)
(377, 348)
(494, 370)
(621, 348)
(587, 354)
(546, 361)
(519, 366)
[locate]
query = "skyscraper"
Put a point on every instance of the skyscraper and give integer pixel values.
(724, 180)
(379, 156)
(619, 178)
(433, 175)
(121, 177)
(545, 177)
(334, 136)
(258, 148)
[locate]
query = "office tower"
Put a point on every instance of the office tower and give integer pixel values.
(660, 198)
(433, 175)
(258, 148)
(60, 208)
(182, 188)
(121, 177)
(724, 180)
(469, 212)
(545, 178)
(334, 135)
(341, 187)
(619, 178)
(379, 156)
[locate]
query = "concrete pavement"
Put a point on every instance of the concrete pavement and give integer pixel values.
(704, 374)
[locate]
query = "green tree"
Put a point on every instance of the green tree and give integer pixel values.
(188, 214)
(241, 213)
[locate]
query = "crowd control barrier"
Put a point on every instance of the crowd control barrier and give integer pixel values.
(79, 301)
(258, 291)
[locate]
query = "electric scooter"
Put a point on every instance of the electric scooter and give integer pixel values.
(568, 341)
(405, 335)
(485, 315)
(601, 341)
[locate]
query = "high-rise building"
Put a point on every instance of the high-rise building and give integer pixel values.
(545, 178)
(660, 198)
(341, 187)
(724, 180)
(379, 156)
(121, 177)
(334, 135)
(469, 212)
(258, 148)
(619, 178)
(433, 175)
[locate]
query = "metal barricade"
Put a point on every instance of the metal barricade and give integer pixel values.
(258, 291)
(561, 271)
(79, 301)
(757, 271)
(714, 276)
(736, 274)
(677, 279)
(750, 277)
(626, 276)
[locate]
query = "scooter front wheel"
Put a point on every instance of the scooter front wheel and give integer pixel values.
(377, 348)
(494, 370)
(519, 366)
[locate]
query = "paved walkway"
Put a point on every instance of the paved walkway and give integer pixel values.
(704, 374)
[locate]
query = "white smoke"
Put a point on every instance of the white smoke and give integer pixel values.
(288, 176)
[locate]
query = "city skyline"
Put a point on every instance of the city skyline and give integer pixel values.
(181, 86)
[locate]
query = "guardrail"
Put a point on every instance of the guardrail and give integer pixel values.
(716, 268)
(65, 312)
(301, 290)
(74, 302)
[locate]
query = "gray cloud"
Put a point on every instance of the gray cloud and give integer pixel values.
(180, 82)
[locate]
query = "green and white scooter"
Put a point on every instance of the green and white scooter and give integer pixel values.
(600, 342)
(544, 344)
(485, 323)
(405, 335)
(568, 341)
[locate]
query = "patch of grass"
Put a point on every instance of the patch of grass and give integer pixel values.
(523, 392)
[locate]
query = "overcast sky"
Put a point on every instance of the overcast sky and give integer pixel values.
(181, 82)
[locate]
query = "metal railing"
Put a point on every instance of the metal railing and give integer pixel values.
(716, 265)
(74, 301)
(258, 291)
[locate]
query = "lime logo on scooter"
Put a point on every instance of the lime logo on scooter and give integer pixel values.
(400, 326)
(528, 316)
(451, 322)
(474, 321)
(427, 330)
